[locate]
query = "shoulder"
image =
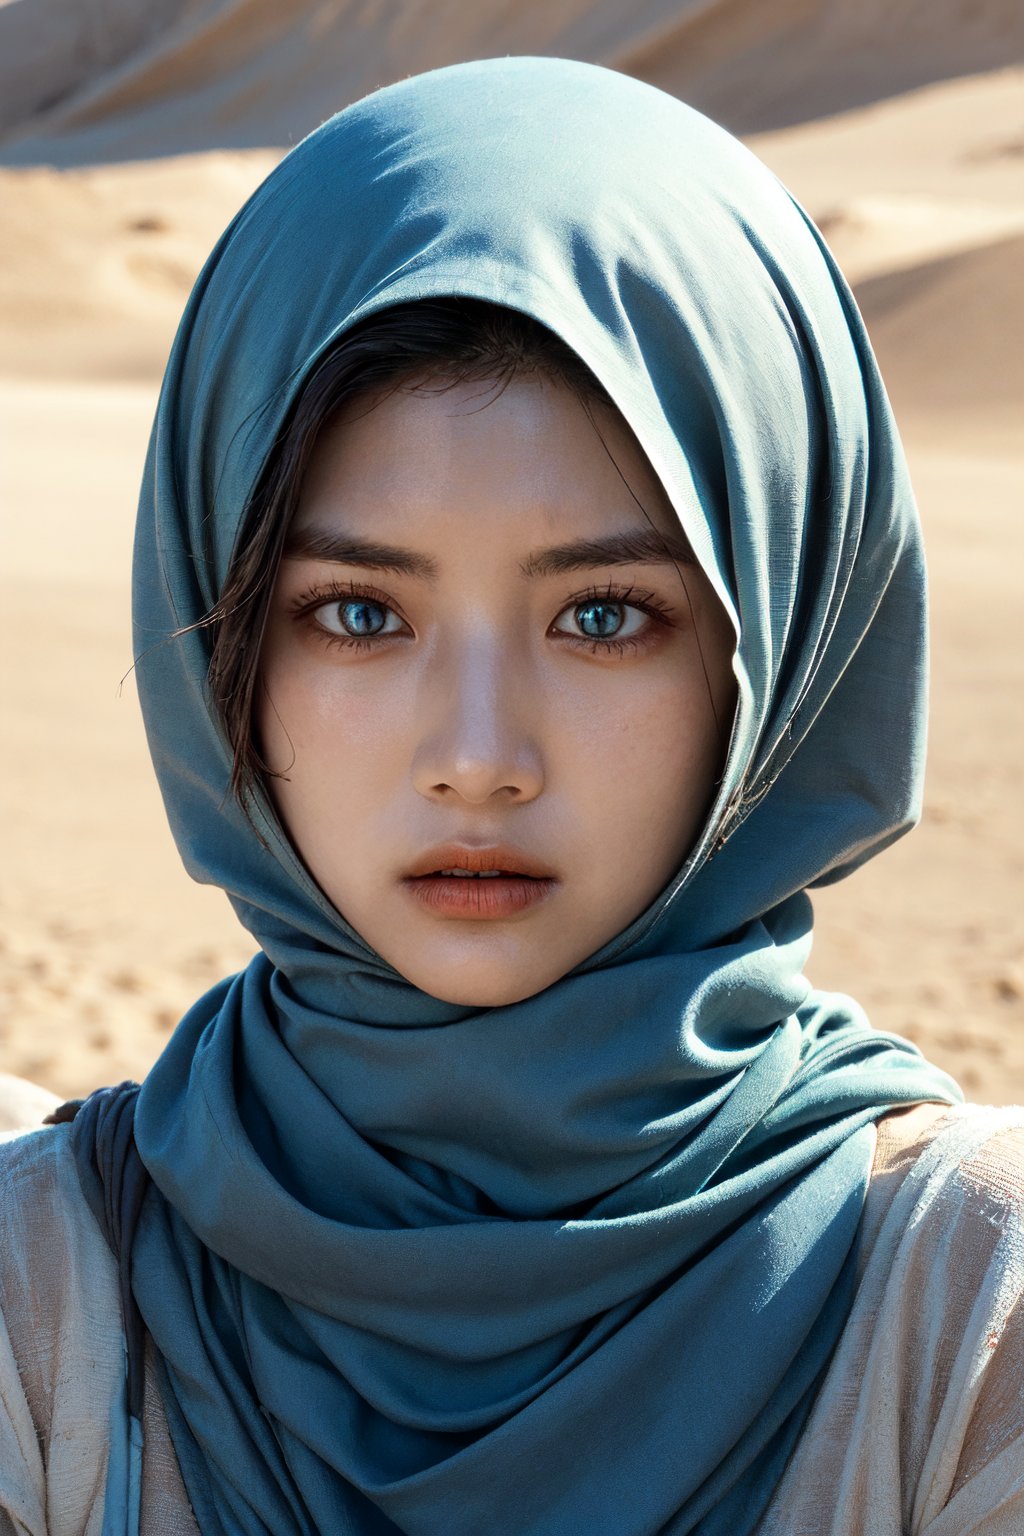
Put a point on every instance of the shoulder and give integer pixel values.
(34, 1204)
(949, 1176)
(61, 1337)
(54, 1262)
(918, 1426)
(961, 1321)
(945, 1209)
(948, 1295)
(44, 1217)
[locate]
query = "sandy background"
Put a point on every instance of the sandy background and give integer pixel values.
(132, 131)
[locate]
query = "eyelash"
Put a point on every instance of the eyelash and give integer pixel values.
(304, 609)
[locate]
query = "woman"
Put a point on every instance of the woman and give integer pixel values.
(529, 608)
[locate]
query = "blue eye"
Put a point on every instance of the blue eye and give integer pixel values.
(599, 620)
(614, 621)
(354, 618)
(607, 622)
(361, 618)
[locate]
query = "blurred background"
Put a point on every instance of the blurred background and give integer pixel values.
(131, 131)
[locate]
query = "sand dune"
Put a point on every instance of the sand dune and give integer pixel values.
(96, 264)
(893, 232)
(950, 337)
(103, 940)
(188, 75)
(55, 51)
(756, 66)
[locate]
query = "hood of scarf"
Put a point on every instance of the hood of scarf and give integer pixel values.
(577, 1263)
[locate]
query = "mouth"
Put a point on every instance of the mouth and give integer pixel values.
(465, 882)
(461, 861)
(479, 874)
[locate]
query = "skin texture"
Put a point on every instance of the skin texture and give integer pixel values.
(490, 706)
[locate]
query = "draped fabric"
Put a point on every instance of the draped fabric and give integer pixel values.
(576, 1264)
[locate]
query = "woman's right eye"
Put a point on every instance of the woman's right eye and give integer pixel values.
(355, 618)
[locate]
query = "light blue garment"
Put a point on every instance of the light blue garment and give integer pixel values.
(574, 1265)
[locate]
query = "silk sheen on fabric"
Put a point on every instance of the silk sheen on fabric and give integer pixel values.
(576, 1264)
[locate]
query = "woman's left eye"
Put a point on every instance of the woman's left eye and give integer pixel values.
(609, 623)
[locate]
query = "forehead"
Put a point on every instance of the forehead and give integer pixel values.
(525, 456)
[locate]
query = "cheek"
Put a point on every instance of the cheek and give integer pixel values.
(647, 760)
(316, 713)
(336, 744)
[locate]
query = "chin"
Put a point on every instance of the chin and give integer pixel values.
(474, 991)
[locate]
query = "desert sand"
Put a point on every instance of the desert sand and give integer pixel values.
(125, 156)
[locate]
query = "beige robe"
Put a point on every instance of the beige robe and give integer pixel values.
(918, 1429)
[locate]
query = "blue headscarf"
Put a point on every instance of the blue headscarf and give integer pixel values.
(576, 1264)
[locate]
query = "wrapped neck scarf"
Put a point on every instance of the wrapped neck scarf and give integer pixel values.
(576, 1264)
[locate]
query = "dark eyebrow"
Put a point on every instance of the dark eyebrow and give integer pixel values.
(346, 549)
(639, 546)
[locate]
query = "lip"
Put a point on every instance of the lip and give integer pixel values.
(461, 856)
(524, 883)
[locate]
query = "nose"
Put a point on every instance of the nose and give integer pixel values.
(476, 741)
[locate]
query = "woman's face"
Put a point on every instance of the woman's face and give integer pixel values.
(454, 666)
